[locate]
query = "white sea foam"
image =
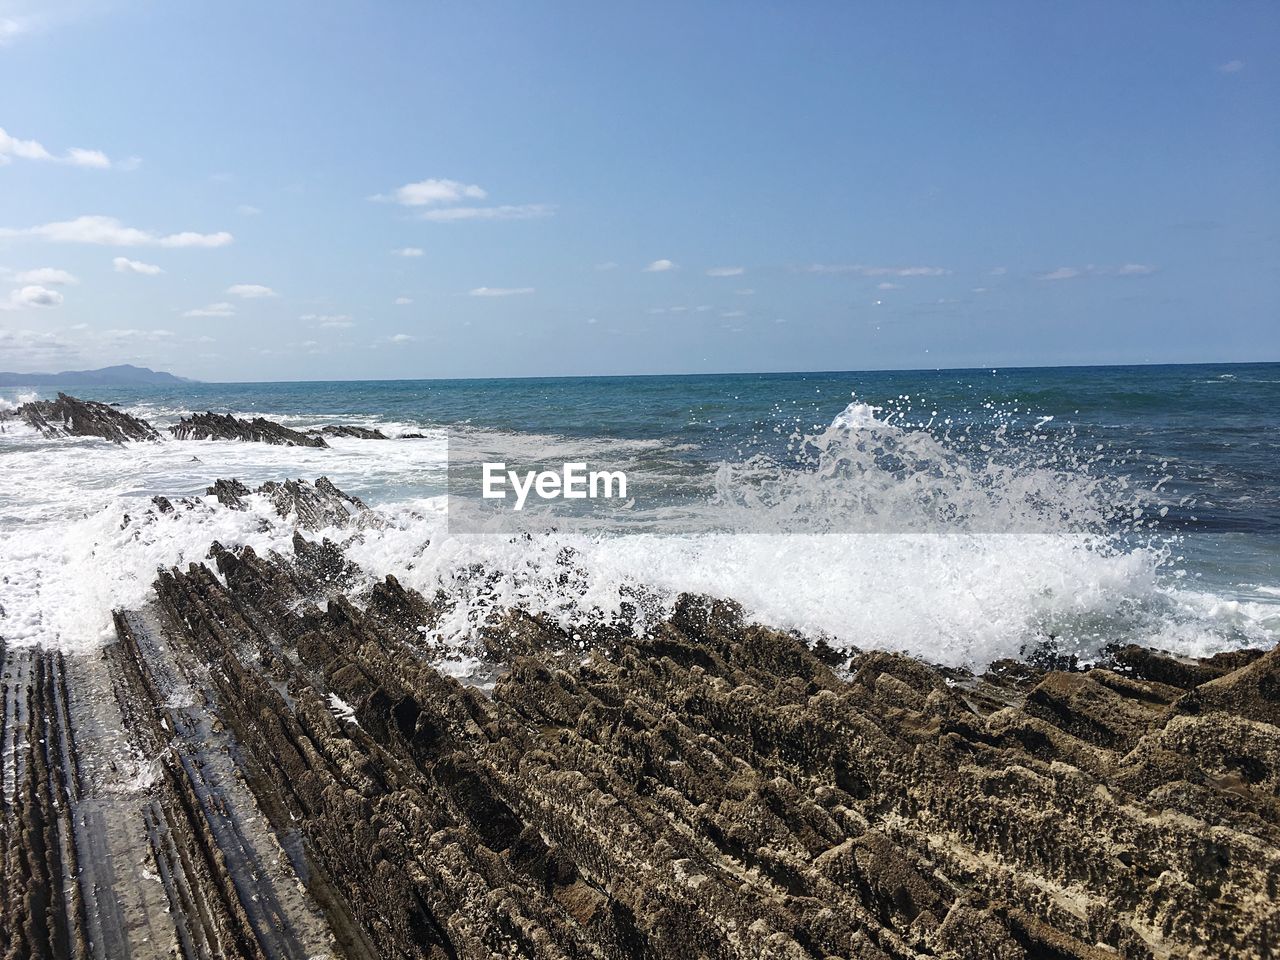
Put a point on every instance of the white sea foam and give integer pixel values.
(964, 594)
(14, 401)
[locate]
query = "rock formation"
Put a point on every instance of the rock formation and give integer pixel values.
(359, 433)
(224, 426)
(312, 506)
(305, 782)
(68, 416)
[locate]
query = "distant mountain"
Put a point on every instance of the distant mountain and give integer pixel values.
(123, 374)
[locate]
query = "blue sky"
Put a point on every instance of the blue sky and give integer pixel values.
(227, 190)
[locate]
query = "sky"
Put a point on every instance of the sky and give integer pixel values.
(319, 190)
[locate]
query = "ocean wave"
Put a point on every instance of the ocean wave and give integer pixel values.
(943, 580)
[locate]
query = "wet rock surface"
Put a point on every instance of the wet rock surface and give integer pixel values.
(310, 506)
(358, 433)
(314, 786)
(224, 426)
(68, 416)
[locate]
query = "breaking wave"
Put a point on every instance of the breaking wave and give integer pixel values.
(957, 544)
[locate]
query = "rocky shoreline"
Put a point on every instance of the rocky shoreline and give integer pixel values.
(68, 416)
(261, 765)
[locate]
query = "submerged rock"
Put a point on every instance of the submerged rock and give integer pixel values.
(69, 416)
(219, 426)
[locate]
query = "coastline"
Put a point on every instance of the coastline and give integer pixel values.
(292, 777)
(273, 753)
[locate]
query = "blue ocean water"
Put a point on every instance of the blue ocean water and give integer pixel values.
(1215, 426)
(1176, 466)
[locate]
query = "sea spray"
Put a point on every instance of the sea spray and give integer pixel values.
(881, 529)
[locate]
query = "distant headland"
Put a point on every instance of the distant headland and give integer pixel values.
(119, 375)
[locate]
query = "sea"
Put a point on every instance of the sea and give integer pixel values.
(962, 516)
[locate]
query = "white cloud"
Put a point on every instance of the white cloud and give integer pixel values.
(726, 272)
(88, 158)
(527, 211)
(125, 265)
(329, 321)
(22, 149)
(1231, 66)
(189, 239)
(10, 28)
(248, 210)
(432, 191)
(134, 334)
(47, 276)
(108, 231)
(745, 292)
(403, 301)
(887, 285)
(1093, 270)
(409, 252)
(251, 291)
(862, 270)
(213, 310)
(35, 295)
(32, 349)
(403, 338)
(12, 147)
(445, 197)
(660, 266)
(500, 291)
(999, 271)
(733, 313)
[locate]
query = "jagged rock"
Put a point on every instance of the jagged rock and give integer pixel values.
(216, 426)
(230, 493)
(313, 506)
(359, 433)
(711, 788)
(68, 416)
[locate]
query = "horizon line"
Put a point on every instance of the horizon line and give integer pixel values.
(762, 373)
(632, 376)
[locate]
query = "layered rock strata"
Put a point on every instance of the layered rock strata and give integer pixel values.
(224, 426)
(294, 778)
(67, 416)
